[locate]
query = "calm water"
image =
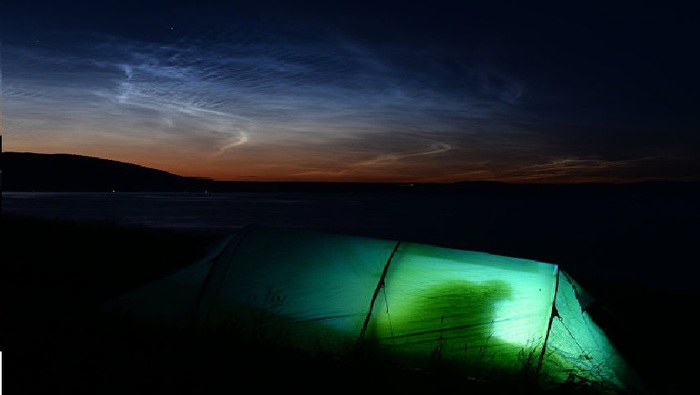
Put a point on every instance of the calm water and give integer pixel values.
(228, 211)
(636, 240)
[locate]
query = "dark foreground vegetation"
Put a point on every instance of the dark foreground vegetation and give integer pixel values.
(56, 274)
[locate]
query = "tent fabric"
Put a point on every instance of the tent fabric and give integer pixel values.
(409, 302)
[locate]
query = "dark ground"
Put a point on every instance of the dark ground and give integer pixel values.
(56, 273)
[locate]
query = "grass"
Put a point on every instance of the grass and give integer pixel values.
(56, 274)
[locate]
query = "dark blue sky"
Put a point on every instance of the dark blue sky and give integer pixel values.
(360, 90)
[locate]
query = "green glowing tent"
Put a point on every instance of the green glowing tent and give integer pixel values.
(412, 302)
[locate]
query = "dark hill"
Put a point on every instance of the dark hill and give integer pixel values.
(27, 171)
(24, 171)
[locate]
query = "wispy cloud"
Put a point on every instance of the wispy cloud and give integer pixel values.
(320, 100)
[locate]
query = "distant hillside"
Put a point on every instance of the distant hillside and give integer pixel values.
(24, 171)
(27, 171)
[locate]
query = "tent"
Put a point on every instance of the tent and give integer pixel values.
(408, 302)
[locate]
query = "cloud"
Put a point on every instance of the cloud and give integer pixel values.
(405, 99)
(389, 158)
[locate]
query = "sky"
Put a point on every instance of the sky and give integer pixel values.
(360, 91)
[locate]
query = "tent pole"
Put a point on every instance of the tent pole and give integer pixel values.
(380, 285)
(554, 313)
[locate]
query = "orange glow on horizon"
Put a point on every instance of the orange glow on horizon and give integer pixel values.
(269, 170)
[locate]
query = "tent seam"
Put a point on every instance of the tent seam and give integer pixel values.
(208, 288)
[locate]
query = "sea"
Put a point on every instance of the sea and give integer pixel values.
(648, 240)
